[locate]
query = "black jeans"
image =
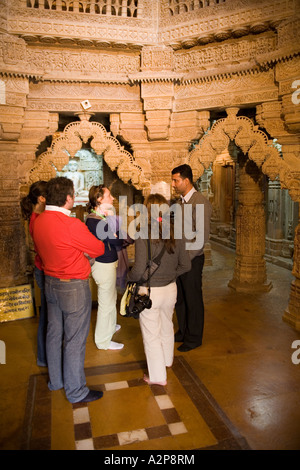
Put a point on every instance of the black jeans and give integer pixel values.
(189, 306)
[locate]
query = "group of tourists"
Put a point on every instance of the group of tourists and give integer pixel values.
(69, 250)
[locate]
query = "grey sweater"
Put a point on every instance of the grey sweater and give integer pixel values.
(198, 198)
(171, 266)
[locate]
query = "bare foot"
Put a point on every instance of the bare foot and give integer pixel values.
(146, 379)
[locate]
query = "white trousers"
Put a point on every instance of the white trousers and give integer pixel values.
(105, 276)
(158, 331)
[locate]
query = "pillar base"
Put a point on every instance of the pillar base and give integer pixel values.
(291, 319)
(207, 255)
(292, 311)
(249, 288)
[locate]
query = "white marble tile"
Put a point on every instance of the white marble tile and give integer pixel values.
(81, 415)
(164, 402)
(132, 436)
(116, 385)
(85, 444)
(177, 428)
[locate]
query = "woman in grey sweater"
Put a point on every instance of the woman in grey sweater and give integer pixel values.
(157, 322)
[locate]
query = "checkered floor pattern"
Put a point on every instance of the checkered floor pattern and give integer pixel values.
(83, 431)
(131, 415)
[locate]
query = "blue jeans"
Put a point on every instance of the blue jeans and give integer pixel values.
(42, 329)
(69, 314)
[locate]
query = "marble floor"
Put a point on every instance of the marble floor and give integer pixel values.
(239, 390)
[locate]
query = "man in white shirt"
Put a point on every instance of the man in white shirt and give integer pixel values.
(189, 306)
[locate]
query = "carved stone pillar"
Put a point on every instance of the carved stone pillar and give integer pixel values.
(76, 6)
(250, 266)
(124, 8)
(232, 236)
(281, 222)
(292, 312)
(12, 256)
(282, 120)
(15, 162)
(140, 8)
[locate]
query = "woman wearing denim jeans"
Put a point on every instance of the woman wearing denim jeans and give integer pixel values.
(32, 206)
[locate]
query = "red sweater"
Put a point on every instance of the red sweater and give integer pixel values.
(61, 242)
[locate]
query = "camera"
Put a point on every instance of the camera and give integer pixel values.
(140, 303)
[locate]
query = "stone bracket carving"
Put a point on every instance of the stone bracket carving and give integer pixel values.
(158, 123)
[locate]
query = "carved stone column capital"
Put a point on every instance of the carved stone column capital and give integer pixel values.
(269, 116)
(14, 93)
(158, 99)
(37, 125)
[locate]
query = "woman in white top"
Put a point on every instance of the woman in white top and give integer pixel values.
(104, 270)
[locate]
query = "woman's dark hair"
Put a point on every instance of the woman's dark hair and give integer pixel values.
(57, 191)
(28, 202)
(160, 217)
(94, 194)
(185, 171)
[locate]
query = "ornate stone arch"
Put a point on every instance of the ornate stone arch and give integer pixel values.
(252, 141)
(70, 142)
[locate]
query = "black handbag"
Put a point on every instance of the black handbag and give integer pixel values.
(133, 303)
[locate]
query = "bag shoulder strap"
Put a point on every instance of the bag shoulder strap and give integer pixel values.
(149, 263)
(159, 256)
